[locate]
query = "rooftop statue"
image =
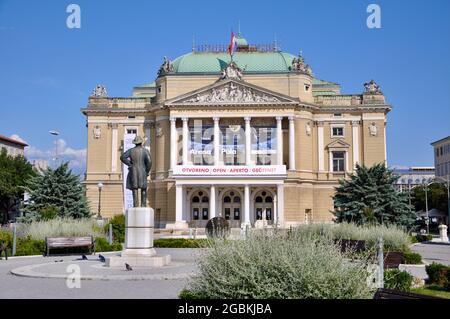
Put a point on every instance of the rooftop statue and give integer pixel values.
(232, 71)
(299, 65)
(166, 67)
(372, 87)
(139, 163)
(99, 91)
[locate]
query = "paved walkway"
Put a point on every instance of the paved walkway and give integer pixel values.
(46, 277)
(433, 252)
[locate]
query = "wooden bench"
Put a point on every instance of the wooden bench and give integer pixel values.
(392, 259)
(3, 248)
(69, 242)
(383, 293)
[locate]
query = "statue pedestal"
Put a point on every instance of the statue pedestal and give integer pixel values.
(139, 251)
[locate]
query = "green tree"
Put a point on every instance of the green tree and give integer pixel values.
(15, 171)
(369, 195)
(57, 188)
(437, 197)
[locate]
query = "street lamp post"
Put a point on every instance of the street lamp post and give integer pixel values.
(100, 186)
(55, 133)
(446, 182)
(426, 207)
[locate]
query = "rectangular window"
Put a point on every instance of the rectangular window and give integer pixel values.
(131, 131)
(195, 213)
(205, 213)
(338, 161)
(237, 213)
(337, 131)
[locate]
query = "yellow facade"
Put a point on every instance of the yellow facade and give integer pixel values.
(304, 181)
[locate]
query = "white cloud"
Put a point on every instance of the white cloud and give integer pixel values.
(18, 138)
(76, 157)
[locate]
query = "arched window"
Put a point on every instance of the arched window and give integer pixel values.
(268, 199)
(259, 199)
(195, 199)
(227, 199)
(236, 199)
(205, 199)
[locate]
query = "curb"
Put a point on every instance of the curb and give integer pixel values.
(28, 271)
(34, 256)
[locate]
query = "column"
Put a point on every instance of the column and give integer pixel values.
(346, 161)
(186, 139)
(320, 147)
(217, 151)
(212, 201)
(279, 141)
(355, 138)
(291, 144)
(173, 143)
(114, 148)
(248, 141)
(147, 126)
(280, 204)
(179, 203)
(246, 220)
(330, 157)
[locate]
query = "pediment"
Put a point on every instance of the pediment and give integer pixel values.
(229, 92)
(338, 144)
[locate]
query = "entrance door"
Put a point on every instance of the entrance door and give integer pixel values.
(232, 209)
(264, 207)
(200, 209)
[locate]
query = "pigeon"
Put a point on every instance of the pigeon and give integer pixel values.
(128, 267)
(102, 258)
(59, 261)
(83, 257)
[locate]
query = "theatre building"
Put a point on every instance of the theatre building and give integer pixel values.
(256, 137)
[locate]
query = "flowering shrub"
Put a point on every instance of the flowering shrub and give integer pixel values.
(279, 265)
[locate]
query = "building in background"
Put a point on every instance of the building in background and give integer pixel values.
(40, 165)
(253, 137)
(442, 157)
(413, 176)
(13, 147)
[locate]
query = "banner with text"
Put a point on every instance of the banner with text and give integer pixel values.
(127, 194)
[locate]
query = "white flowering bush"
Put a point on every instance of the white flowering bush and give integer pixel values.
(60, 227)
(394, 237)
(279, 265)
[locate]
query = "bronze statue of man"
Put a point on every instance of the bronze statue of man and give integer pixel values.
(139, 163)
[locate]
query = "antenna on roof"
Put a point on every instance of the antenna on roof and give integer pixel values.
(193, 43)
(275, 42)
(239, 28)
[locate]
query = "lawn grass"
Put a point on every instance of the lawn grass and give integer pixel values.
(432, 290)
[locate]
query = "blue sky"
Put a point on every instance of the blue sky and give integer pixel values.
(47, 71)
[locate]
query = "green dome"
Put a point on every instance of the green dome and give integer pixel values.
(240, 41)
(249, 62)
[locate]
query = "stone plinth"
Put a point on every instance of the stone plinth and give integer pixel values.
(443, 233)
(139, 251)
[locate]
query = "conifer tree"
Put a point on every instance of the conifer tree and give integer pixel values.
(57, 188)
(369, 195)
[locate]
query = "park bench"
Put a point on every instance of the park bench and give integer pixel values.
(383, 293)
(69, 242)
(392, 259)
(3, 248)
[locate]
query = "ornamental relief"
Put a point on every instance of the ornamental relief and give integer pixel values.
(232, 92)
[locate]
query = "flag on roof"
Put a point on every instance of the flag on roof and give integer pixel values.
(232, 47)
